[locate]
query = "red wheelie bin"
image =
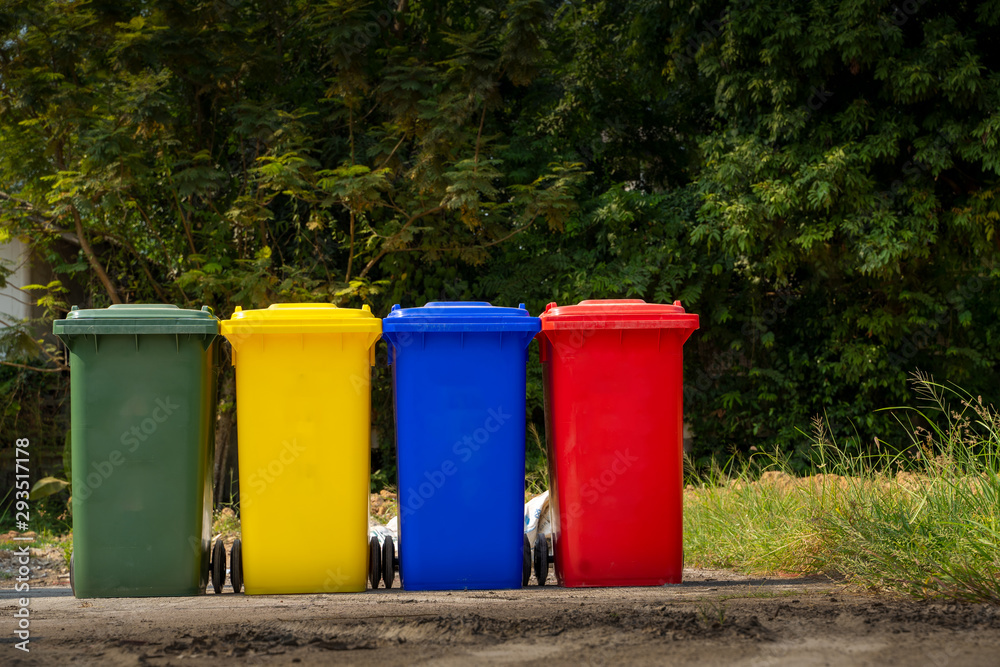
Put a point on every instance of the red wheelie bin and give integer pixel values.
(613, 380)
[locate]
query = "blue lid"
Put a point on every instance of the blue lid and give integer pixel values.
(457, 316)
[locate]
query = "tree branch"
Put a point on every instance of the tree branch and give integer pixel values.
(481, 246)
(32, 213)
(397, 26)
(156, 234)
(350, 251)
(44, 219)
(92, 258)
(88, 252)
(22, 203)
(180, 213)
(34, 368)
(398, 144)
(382, 253)
(479, 136)
(513, 233)
(350, 254)
(142, 263)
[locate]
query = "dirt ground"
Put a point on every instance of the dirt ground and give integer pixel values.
(47, 564)
(714, 618)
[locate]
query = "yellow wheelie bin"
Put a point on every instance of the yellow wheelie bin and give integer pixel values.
(303, 374)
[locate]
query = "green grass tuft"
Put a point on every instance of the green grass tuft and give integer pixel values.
(925, 521)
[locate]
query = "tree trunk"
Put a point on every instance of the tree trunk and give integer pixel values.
(95, 263)
(224, 427)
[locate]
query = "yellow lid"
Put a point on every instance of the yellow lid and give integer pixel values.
(301, 318)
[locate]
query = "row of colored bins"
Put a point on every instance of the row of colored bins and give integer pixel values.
(303, 387)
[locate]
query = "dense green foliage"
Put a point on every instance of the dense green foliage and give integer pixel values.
(852, 176)
(818, 181)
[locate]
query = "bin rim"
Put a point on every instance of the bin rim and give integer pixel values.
(137, 318)
(299, 318)
(459, 317)
(617, 314)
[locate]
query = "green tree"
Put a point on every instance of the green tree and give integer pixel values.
(245, 153)
(817, 181)
(852, 174)
(823, 194)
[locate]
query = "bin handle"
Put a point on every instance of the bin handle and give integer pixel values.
(209, 310)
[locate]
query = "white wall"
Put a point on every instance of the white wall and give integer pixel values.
(13, 301)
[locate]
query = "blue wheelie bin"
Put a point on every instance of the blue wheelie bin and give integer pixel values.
(458, 372)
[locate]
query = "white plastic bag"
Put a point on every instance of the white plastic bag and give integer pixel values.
(381, 532)
(537, 517)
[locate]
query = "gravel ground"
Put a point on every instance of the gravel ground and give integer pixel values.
(714, 618)
(47, 564)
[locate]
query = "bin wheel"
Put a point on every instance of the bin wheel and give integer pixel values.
(218, 566)
(236, 565)
(72, 581)
(374, 562)
(541, 559)
(388, 561)
(526, 564)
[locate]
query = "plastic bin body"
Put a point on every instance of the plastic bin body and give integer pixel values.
(459, 384)
(613, 382)
(303, 374)
(142, 404)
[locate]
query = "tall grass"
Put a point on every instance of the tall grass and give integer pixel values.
(924, 520)
(536, 476)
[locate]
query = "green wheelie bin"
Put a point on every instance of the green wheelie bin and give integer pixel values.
(142, 404)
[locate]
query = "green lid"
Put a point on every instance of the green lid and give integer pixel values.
(137, 318)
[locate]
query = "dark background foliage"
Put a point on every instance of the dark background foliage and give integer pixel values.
(818, 181)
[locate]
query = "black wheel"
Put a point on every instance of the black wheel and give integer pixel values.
(72, 582)
(374, 562)
(541, 560)
(388, 561)
(236, 565)
(526, 566)
(218, 566)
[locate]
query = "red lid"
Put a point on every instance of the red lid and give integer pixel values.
(618, 314)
